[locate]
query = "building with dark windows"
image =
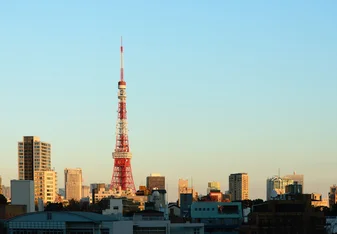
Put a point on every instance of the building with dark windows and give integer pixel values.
(33, 155)
(155, 181)
(218, 217)
(293, 215)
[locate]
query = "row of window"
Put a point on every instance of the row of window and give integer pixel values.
(204, 209)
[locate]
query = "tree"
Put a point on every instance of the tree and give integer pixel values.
(73, 206)
(3, 200)
(257, 201)
(54, 207)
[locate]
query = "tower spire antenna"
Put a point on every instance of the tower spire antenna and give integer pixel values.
(122, 61)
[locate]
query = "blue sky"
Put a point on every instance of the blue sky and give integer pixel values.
(213, 89)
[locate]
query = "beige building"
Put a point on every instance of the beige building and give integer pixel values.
(297, 178)
(183, 188)
(45, 185)
(73, 183)
(214, 185)
(277, 186)
(33, 155)
(85, 191)
(239, 186)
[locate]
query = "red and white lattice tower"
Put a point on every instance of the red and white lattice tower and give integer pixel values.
(122, 172)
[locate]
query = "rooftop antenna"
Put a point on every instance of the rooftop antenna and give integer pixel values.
(279, 173)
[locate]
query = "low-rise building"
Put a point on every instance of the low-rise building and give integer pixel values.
(86, 222)
(294, 215)
(218, 217)
(10, 211)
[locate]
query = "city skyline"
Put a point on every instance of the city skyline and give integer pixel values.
(219, 89)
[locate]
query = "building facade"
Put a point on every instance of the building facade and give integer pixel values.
(23, 193)
(214, 185)
(85, 191)
(6, 191)
(218, 217)
(277, 184)
(296, 178)
(155, 181)
(73, 183)
(0, 185)
(45, 183)
(33, 155)
(333, 195)
(239, 186)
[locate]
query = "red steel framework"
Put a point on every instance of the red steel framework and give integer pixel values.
(122, 172)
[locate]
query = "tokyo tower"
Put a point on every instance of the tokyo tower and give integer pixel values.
(122, 172)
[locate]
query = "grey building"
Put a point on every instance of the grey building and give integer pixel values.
(185, 200)
(67, 222)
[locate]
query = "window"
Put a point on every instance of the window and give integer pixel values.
(196, 231)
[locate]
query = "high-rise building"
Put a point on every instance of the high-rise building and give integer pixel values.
(45, 183)
(296, 178)
(33, 155)
(85, 191)
(239, 186)
(278, 185)
(0, 185)
(333, 195)
(155, 181)
(122, 172)
(214, 185)
(73, 183)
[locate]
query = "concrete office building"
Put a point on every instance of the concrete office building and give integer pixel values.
(155, 181)
(214, 185)
(297, 178)
(23, 194)
(239, 186)
(85, 191)
(183, 188)
(278, 185)
(33, 155)
(332, 195)
(45, 183)
(73, 183)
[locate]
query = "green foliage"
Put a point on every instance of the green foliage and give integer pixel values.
(73, 206)
(54, 207)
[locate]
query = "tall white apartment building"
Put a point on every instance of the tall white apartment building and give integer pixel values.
(239, 186)
(33, 155)
(73, 183)
(45, 183)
